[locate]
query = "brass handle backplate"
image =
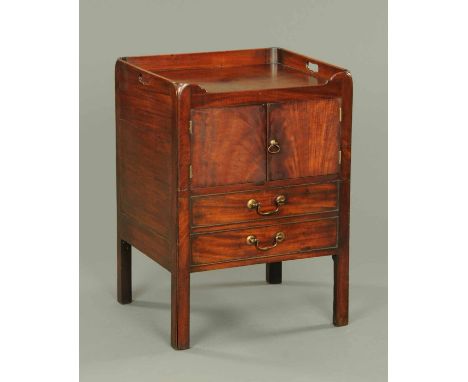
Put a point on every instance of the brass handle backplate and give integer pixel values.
(274, 147)
(252, 240)
(279, 201)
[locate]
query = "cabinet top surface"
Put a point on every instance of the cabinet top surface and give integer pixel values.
(238, 71)
(252, 77)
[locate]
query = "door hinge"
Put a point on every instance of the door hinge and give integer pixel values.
(339, 157)
(190, 127)
(341, 114)
(190, 172)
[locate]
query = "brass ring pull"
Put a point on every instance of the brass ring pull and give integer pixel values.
(252, 240)
(279, 201)
(274, 147)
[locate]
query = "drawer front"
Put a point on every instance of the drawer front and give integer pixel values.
(254, 242)
(267, 204)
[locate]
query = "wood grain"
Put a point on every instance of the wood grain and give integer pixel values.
(228, 146)
(145, 178)
(244, 187)
(180, 277)
(242, 78)
(262, 223)
(232, 207)
(238, 101)
(214, 60)
(231, 245)
(149, 242)
(263, 260)
(341, 259)
(201, 99)
(299, 62)
(124, 272)
(308, 134)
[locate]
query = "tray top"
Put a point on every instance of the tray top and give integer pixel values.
(238, 71)
(242, 78)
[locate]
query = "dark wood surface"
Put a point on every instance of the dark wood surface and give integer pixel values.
(202, 99)
(231, 245)
(221, 59)
(263, 260)
(228, 208)
(241, 78)
(341, 259)
(261, 223)
(308, 134)
(228, 146)
(145, 182)
(223, 189)
(146, 240)
(124, 272)
(299, 62)
(237, 102)
(274, 273)
(180, 278)
(232, 58)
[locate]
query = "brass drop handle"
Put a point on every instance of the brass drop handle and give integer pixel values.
(279, 201)
(274, 147)
(252, 240)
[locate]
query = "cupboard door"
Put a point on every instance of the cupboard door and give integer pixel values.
(307, 136)
(228, 146)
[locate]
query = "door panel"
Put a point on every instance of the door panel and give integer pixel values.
(228, 146)
(308, 135)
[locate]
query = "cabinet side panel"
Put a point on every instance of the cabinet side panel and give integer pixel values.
(145, 155)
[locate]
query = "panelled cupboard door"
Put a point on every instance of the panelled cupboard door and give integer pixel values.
(228, 145)
(307, 134)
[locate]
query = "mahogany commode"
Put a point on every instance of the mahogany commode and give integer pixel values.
(232, 158)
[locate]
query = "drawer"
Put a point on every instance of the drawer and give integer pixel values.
(252, 205)
(271, 240)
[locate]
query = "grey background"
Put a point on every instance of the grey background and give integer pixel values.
(242, 329)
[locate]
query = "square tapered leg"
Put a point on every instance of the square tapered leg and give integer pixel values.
(124, 272)
(180, 310)
(341, 289)
(274, 273)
